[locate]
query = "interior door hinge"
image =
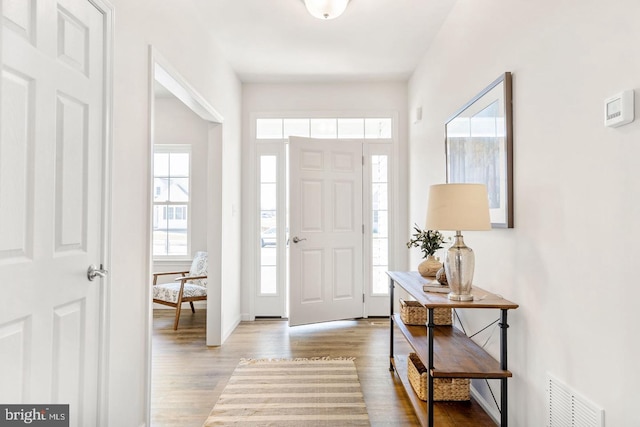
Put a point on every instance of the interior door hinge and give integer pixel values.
(362, 297)
(362, 228)
(362, 160)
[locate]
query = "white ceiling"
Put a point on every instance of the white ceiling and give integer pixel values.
(279, 41)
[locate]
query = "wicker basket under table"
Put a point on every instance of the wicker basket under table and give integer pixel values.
(414, 313)
(453, 389)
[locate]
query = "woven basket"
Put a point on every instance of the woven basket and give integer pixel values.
(455, 389)
(414, 313)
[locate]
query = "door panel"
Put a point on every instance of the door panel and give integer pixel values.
(344, 196)
(51, 214)
(70, 175)
(15, 351)
(312, 193)
(69, 345)
(326, 267)
(16, 167)
(18, 16)
(344, 273)
(311, 284)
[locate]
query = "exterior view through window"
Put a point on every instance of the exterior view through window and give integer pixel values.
(380, 221)
(171, 166)
(332, 128)
(268, 212)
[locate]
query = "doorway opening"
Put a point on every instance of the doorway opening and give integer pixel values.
(272, 241)
(186, 132)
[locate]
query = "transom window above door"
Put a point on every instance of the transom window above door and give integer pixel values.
(327, 128)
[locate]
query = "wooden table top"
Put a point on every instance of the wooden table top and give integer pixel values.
(412, 282)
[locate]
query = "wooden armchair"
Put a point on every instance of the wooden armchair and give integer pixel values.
(191, 286)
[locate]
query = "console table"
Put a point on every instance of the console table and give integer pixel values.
(445, 350)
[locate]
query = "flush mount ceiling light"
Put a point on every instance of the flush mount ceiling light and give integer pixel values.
(326, 9)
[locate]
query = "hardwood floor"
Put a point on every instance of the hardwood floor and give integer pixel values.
(188, 377)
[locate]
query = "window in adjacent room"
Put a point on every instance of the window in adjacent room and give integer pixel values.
(171, 200)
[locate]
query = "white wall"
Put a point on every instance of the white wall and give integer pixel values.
(329, 98)
(180, 36)
(570, 260)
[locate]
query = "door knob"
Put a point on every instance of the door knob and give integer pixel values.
(93, 272)
(296, 239)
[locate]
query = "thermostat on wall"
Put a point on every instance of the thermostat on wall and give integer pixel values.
(618, 110)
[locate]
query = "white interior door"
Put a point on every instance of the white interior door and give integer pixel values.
(51, 203)
(326, 230)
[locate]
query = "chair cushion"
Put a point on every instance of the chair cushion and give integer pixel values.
(169, 291)
(199, 267)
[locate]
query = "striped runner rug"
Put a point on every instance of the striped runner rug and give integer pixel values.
(298, 392)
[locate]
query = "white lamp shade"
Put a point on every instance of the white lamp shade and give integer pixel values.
(326, 9)
(458, 207)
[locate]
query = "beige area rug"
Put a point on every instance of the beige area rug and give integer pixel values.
(298, 392)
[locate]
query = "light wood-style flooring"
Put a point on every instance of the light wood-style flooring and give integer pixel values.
(188, 377)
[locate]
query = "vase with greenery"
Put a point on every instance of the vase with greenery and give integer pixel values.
(429, 241)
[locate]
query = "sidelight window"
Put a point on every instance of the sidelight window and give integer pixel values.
(380, 224)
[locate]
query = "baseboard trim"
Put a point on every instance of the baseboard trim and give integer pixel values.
(489, 408)
(230, 330)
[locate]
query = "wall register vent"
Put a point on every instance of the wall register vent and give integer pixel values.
(566, 408)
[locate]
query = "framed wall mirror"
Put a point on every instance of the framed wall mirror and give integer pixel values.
(479, 147)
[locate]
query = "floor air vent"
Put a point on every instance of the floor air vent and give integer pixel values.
(566, 408)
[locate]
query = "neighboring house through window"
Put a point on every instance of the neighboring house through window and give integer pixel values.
(171, 174)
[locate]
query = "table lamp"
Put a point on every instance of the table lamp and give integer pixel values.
(458, 207)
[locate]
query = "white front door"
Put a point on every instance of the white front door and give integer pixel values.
(326, 230)
(51, 204)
